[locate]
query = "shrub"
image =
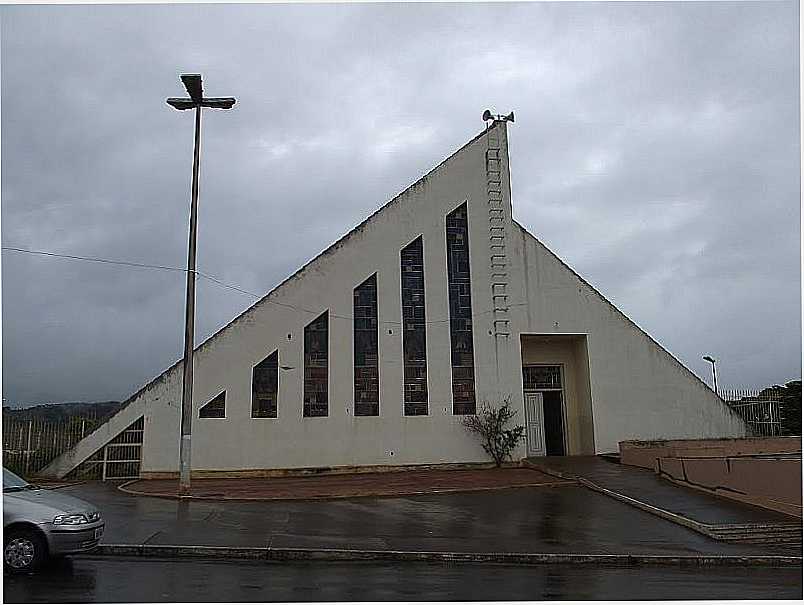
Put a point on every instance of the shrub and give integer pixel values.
(489, 424)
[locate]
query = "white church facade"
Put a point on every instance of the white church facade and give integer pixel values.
(371, 354)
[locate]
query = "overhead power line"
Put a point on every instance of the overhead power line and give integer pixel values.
(95, 260)
(221, 283)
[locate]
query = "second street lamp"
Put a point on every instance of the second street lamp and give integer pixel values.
(196, 100)
(714, 372)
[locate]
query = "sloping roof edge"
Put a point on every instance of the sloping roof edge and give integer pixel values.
(629, 321)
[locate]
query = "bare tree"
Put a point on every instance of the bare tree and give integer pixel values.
(489, 424)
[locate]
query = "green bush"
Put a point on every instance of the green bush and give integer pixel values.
(790, 407)
(489, 424)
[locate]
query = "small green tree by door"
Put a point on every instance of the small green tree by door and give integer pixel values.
(490, 425)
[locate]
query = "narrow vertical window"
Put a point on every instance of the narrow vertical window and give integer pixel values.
(460, 312)
(215, 408)
(366, 362)
(316, 371)
(265, 386)
(414, 342)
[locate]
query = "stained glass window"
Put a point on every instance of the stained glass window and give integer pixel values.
(414, 338)
(460, 312)
(264, 387)
(215, 408)
(316, 370)
(541, 377)
(366, 361)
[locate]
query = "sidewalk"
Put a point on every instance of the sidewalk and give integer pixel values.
(565, 519)
(352, 485)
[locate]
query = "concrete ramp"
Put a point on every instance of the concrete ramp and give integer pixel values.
(95, 441)
(715, 517)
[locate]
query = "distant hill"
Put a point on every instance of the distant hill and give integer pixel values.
(55, 412)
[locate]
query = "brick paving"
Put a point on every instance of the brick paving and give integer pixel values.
(351, 485)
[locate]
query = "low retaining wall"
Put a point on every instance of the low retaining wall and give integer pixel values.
(764, 472)
(773, 483)
(323, 470)
(645, 453)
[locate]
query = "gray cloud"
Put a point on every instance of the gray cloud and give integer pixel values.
(656, 150)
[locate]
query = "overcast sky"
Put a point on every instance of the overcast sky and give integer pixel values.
(655, 149)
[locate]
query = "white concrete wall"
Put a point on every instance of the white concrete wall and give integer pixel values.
(639, 390)
(291, 441)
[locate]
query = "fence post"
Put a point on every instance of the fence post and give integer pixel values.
(28, 450)
(21, 445)
(105, 458)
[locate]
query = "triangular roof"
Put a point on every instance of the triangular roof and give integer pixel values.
(340, 242)
(343, 240)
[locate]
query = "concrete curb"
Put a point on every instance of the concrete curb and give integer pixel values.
(712, 531)
(311, 554)
(401, 494)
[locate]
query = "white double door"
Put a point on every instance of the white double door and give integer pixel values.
(534, 424)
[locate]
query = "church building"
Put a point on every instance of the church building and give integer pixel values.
(371, 354)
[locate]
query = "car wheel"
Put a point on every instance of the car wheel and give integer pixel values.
(24, 550)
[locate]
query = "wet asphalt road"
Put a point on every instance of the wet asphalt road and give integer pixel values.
(87, 579)
(567, 519)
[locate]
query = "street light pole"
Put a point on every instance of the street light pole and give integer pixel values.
(192, 82)
(714, 372)
(189, 324)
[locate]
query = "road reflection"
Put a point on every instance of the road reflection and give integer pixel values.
(73, 583)
(150, 580)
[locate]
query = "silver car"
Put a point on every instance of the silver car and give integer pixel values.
(40, 523)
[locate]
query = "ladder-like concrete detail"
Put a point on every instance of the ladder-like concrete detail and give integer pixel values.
(96, 440)
(497, 237)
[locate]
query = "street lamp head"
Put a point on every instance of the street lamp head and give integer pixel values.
(192, 82)
(180, 103)
(709, 359)
(195, 90)
(218, 102)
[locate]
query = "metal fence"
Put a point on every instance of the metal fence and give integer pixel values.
(29, 444)
(118, 459)
(759, 408)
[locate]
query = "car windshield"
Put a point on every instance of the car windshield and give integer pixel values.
(13, 483)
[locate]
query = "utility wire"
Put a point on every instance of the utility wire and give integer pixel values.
(221, 283)
(95, 260)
